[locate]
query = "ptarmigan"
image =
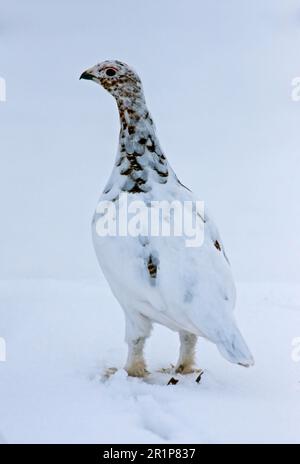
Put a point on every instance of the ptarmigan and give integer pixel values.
(158, 278)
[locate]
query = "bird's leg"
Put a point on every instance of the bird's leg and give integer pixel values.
(138, 328)
(186, 361)
(135, 365)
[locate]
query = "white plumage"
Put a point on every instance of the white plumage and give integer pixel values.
(158, 278)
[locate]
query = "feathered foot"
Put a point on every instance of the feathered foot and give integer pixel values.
(137, 369)
(187, 369)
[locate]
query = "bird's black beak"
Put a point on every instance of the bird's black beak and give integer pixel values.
(86, 75)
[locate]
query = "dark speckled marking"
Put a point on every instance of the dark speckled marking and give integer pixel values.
(134, 189)
(217, 245)
(107, 190)
(152, 267)
(137, 173)
(160, 173)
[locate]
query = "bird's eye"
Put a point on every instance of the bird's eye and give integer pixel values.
(110, 72)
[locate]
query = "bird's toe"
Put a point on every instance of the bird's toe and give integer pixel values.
(109, 372)
(187, 369)
(137, 369)
(167, 370)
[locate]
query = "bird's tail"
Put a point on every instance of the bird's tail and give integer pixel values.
(234, 348)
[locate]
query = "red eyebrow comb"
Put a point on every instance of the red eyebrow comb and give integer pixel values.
(111, 67)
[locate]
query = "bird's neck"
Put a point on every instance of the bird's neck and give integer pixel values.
(140, 160)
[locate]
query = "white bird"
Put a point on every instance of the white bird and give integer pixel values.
(156, 278)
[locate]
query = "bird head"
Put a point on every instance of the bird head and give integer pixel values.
(117, 78)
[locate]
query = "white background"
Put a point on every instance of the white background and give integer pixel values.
(217, 77)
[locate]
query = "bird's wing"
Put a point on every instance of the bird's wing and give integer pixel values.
(197, 290)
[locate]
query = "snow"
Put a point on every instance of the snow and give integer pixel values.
(62, 335)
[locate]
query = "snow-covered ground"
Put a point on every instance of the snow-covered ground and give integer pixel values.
(60, 336)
